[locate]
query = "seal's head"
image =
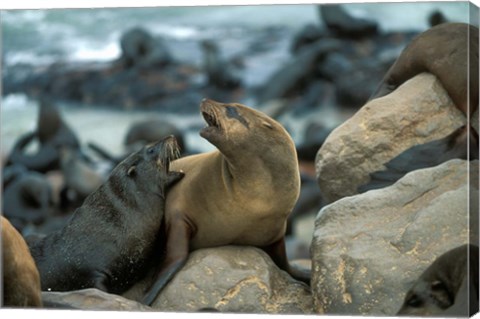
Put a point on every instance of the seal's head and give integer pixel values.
(444, 284)
(232, 127)
(152, 163)
(427, 298)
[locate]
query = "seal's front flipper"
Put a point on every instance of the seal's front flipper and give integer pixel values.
(174, 177)
(277, 252)
(177, 248)
(100, 279)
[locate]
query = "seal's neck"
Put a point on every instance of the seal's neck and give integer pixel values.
(247, 168)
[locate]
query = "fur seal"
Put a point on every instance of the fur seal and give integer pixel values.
(449, 286)
(450, 52)
(52, 132)
(11, 172)
(110, 239)
(28, 199)
(142, 49)
(21, 281)
(240, 194)
(341, 23)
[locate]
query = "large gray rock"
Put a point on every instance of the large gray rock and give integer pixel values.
(417, 112)
(368, 249)
(231, 279)
(90, 299)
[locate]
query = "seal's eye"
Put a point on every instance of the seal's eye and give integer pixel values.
(150, 151)
(438, 285)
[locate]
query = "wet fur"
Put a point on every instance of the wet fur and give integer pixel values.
(111, 239)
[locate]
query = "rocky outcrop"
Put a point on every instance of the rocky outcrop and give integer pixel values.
(368, 249)
(418, 112)
(231, 279)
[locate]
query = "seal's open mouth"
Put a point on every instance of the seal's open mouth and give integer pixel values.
(212, 114)
(211, 119)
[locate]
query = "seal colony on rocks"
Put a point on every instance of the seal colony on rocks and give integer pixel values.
(239, 194)
(110, 239)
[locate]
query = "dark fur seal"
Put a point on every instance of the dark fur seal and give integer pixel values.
(28, 199)
(449, 287)
(450, 52)
(110, 239)
(240, 194)
(21, 281)
(52, 132)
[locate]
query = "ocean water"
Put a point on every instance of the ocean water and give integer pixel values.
(42, 37)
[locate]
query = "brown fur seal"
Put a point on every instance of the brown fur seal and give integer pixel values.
(21, 281)
(450, 52)
(52, 132)
(240, 194)
(110, 239)
(448, 287)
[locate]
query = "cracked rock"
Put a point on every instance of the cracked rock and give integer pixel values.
(368, 249)
(236, 279)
